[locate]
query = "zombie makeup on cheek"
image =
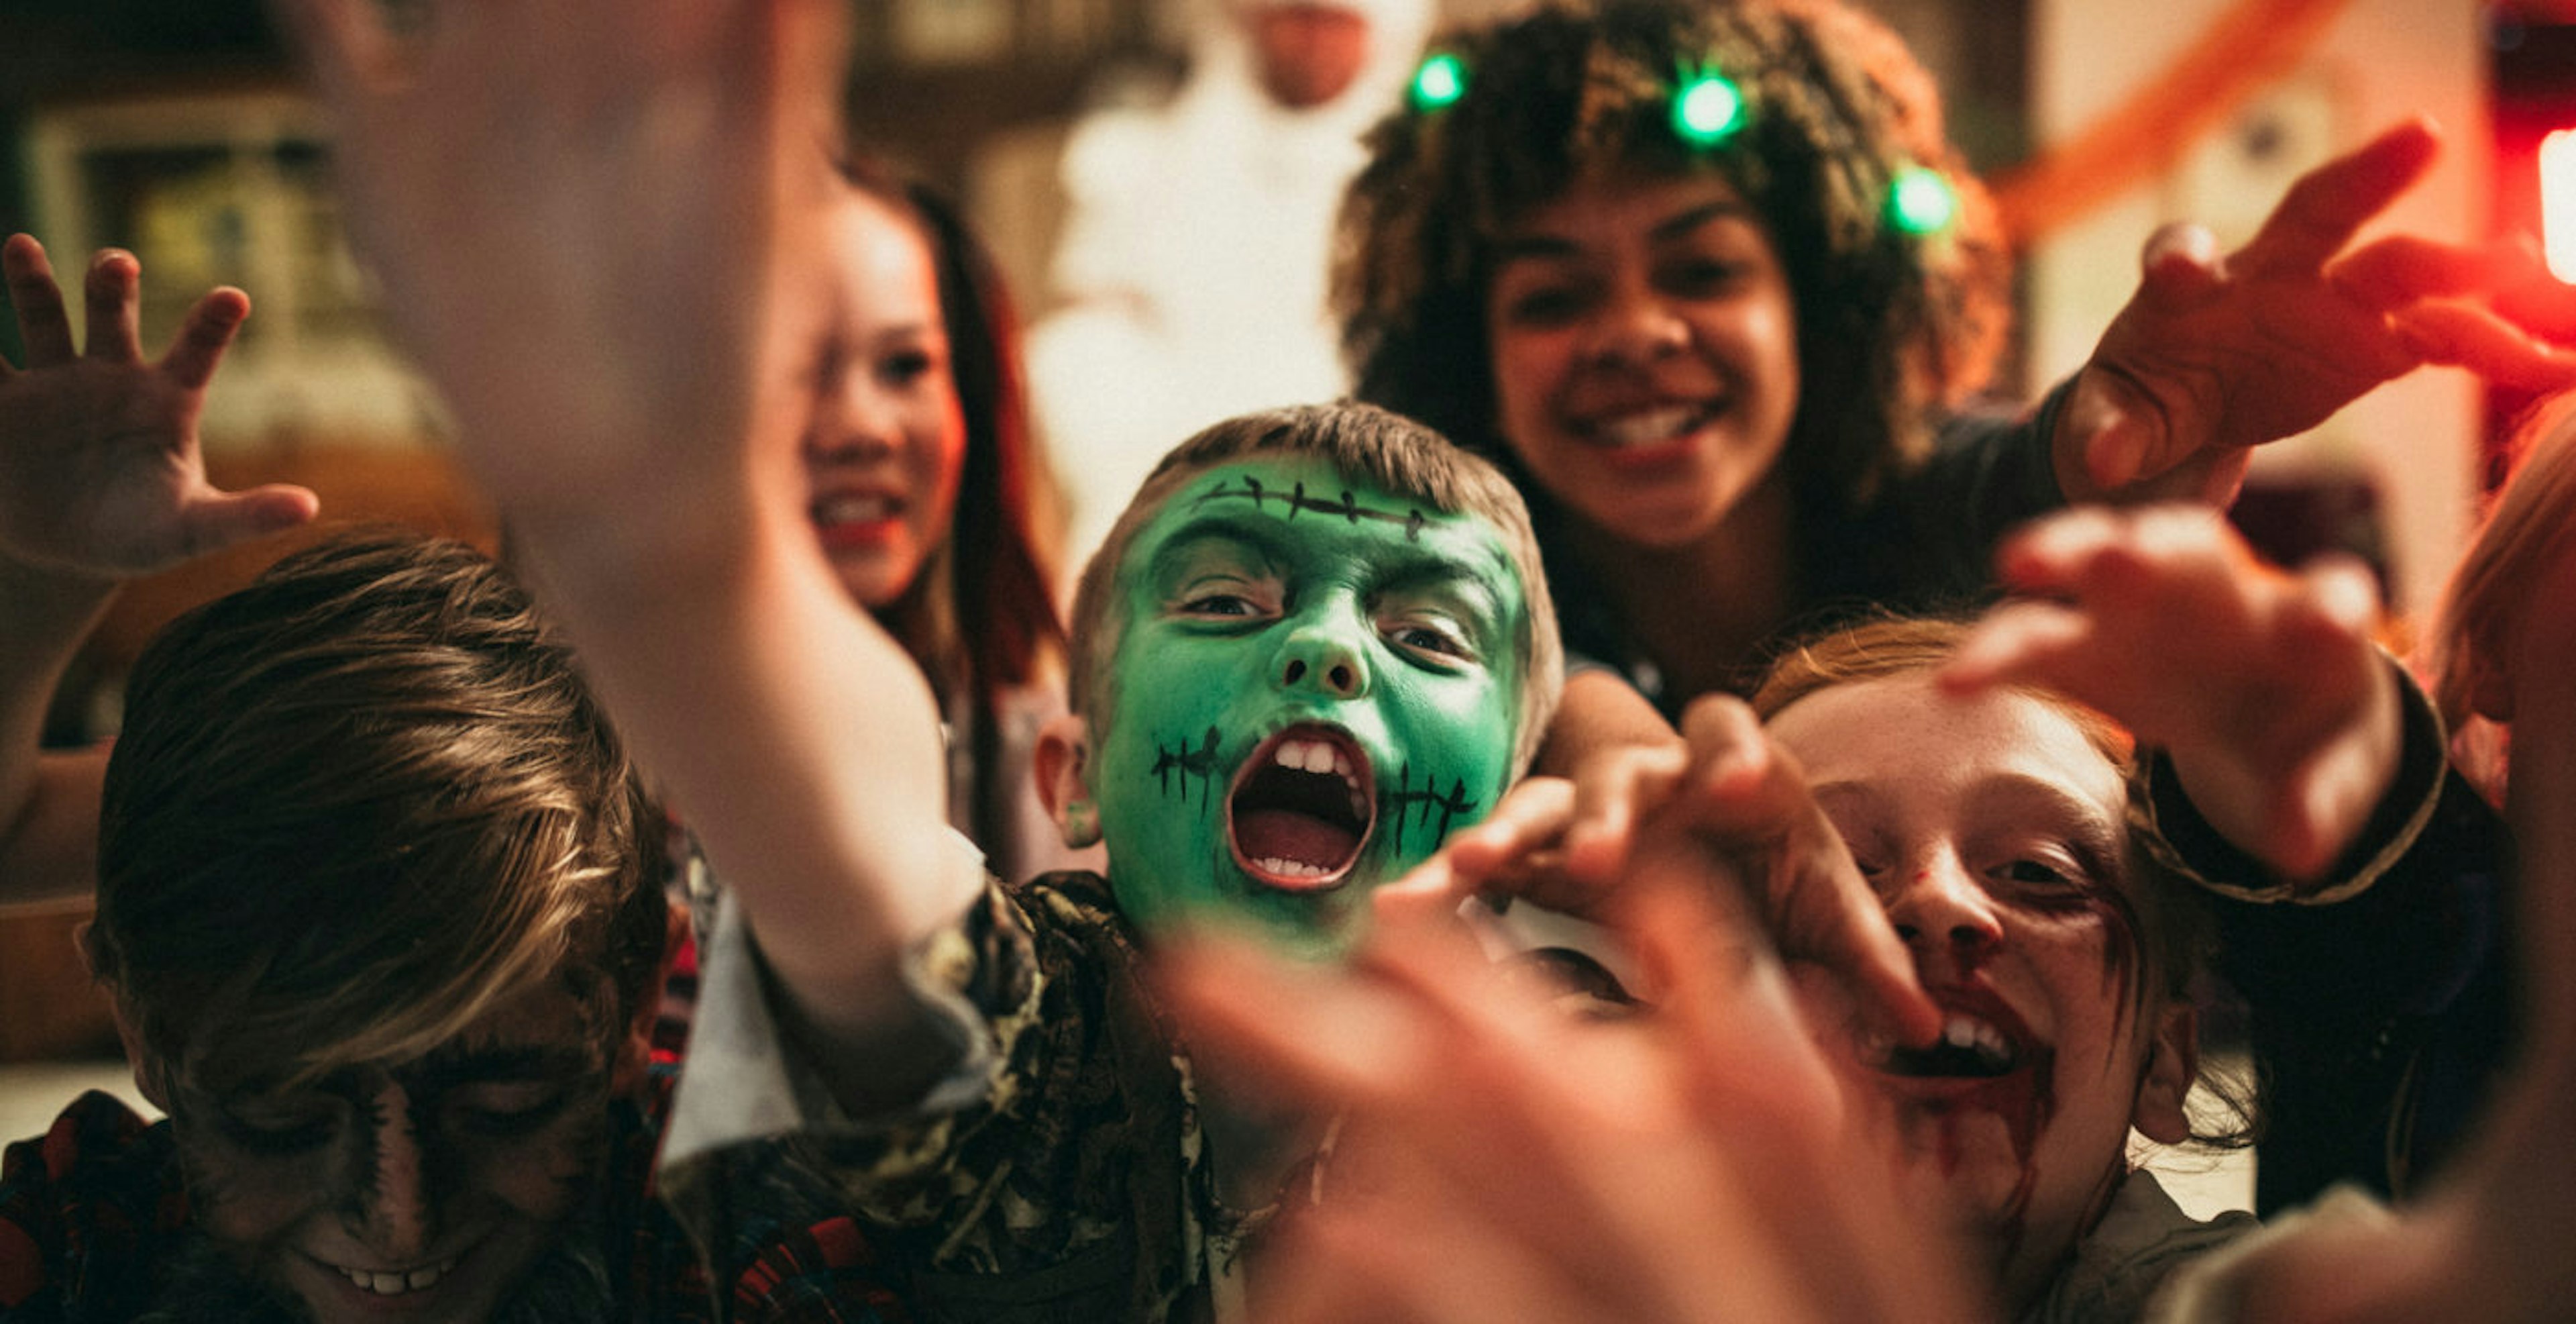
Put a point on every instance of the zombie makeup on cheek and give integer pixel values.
(1314, 683)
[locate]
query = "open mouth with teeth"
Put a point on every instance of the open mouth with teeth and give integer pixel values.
(1302, 809)
(1969, 1046)
(847, 517)
(1649, 428)
(1986, 1062)
(1982, 1039)
(396, 1282)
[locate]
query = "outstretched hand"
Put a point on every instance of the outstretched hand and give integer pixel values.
(585, 217)
(1741, 807)
(2214, 356)
(101, 474)
(1501, 1161)
(2280, 714)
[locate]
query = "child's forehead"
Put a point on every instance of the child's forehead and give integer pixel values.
(1287, 504)
(550, 1028)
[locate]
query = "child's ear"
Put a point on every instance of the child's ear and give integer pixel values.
(2490, 688)
(2173, 1063)
(634, 1052)
(1062, 756)
(149, 1075)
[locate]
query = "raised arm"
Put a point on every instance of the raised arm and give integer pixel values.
(101, 480)
(596, 223)
(2489, 1242)
(2214, 356)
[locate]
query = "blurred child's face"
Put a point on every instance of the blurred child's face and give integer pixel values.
(1645, 353)
(1315, 682)
(1993, 832)
(888, 438)
(420, 1191)
(1307, 52)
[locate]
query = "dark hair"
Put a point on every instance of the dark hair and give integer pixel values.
(980, 619)
(357, 804)
(1891, 326)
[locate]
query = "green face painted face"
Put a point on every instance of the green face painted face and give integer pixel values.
(1316, 683)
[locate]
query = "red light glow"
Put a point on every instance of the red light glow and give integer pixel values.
(2558, 202)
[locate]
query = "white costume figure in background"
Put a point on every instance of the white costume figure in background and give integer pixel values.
(1197, 236)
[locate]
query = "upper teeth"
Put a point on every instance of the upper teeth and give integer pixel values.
(1323, 756)
(394, 1284)
(1978, 1037)
(856, 509)
(1652, 426)
(1314, 756)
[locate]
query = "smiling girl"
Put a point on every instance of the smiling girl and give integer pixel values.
(922, 487)
(1711, 283)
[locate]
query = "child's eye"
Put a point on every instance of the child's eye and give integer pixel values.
(2044, 878)
(1546, 305)
(1434, 639)
(907, 367)
(1699, 276)
(279, 1129)
(1218, 604)
(509, 1109)
(1223, 591)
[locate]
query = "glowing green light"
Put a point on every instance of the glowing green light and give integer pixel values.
(1706, 108)
(1440, 81)
(1922, 202)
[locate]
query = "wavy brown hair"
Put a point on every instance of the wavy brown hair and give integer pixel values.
(358, 804)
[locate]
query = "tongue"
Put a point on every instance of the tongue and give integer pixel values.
(1285, 834)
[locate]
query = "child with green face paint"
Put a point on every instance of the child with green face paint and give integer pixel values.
(1304, 654)
(1315, 643)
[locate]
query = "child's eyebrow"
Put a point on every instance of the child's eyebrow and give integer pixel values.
(1684, 222)
(1428, 571)
(1193, 538)
(1411, 567)
(1544, 244)
(531, 1062)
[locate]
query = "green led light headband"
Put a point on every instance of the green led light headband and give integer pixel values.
(1707, 108)
(1921, 201)
(1439, 82)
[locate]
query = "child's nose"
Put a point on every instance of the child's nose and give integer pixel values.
(852, 421)
(1944, 914)
(390, 1210)
(1320, 657)
(1638, 325)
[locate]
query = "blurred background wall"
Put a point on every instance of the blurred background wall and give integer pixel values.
(173, 127)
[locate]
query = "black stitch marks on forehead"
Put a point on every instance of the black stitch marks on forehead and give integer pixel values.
(1296, 501)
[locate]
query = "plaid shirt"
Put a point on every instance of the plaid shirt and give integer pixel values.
(1059, 1174)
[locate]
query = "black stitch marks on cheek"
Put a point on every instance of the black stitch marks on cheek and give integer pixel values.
(1181, 763)
(1296, 501)
(1406, 802)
